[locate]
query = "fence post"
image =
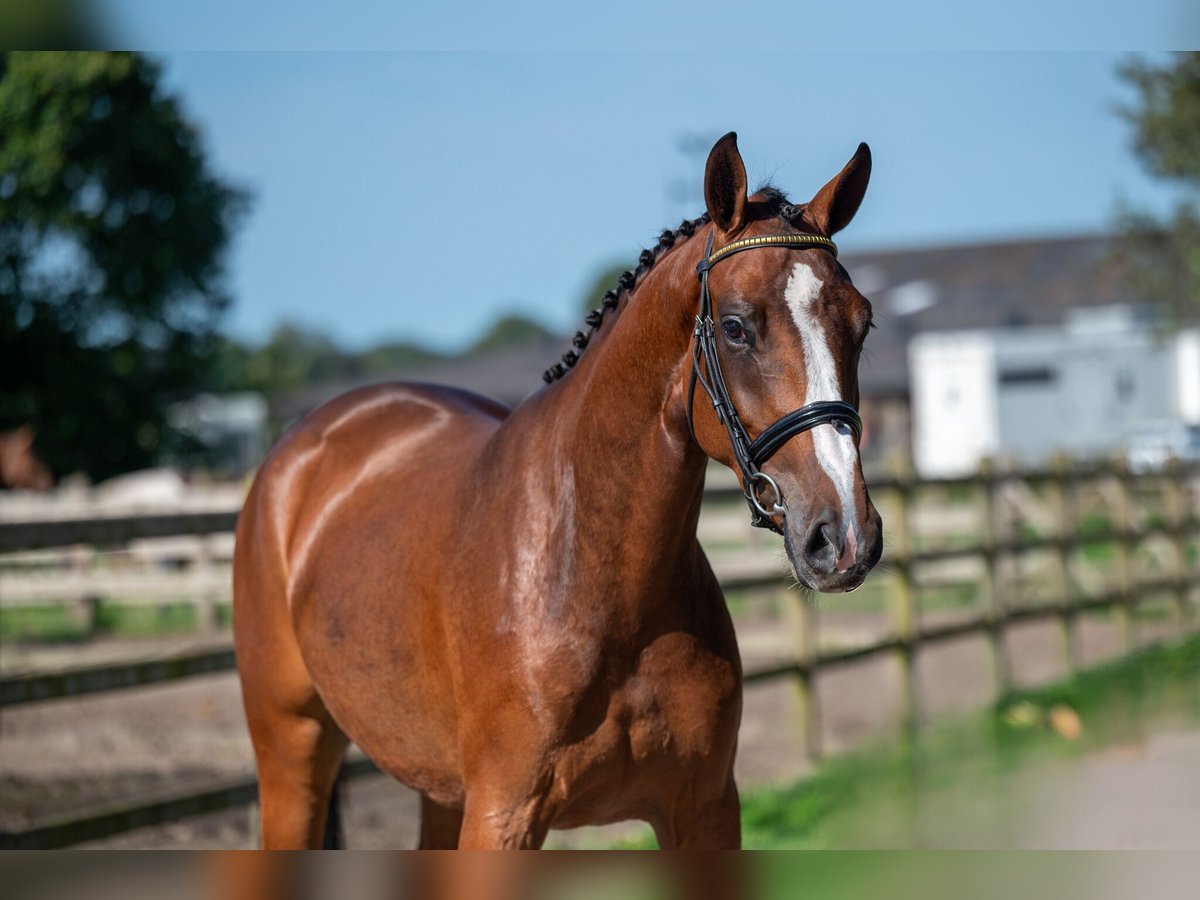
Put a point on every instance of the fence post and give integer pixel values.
(1063, 495)
(1123, 526)
(88, 613)
(804, 613)
(1176, 503)
(904, 600)
(206, 608)
(1001, 673)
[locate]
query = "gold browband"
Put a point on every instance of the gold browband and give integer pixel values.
(767, 240)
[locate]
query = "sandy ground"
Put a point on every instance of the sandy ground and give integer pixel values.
(61, 756)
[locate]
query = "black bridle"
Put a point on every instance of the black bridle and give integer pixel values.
(752, 454)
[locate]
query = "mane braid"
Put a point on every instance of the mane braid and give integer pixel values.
(612, 298)
(778, 204)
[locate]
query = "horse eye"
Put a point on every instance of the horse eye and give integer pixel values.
(733, 329)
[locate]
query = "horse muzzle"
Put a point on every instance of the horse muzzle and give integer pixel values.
(831, 555)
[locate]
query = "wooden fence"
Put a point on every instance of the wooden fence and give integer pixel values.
(999, 519)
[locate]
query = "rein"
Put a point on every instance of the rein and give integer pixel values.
(752, 454)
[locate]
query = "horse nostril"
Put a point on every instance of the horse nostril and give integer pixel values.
(821, 547)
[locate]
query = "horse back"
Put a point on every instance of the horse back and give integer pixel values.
(379, 437)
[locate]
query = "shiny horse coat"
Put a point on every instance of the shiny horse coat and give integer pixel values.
(509, 611)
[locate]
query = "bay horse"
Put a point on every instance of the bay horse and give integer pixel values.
(20, 467)
(509, 611)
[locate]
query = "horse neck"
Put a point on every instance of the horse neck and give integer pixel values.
(620, 418)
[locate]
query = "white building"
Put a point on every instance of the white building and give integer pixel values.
(230, 429)
(1096, 386)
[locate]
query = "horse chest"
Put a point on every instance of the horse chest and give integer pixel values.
(682, 699)
(673, 719)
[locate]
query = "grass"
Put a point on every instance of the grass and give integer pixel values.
(139, 621)
(65, 623)
(844, 799)
(869, 797)
(1099, 553)
(873, 597)
(742, 603)
(1093, 524)
(1127, 694)
(875, 594)
(42, 623)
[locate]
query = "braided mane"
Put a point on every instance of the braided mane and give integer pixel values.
(778, 206)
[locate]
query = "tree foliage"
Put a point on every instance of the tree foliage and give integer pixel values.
(604, 280)
(1162, 256)
(112, 235)
(511, 330)
(296, 357)
(69, 24)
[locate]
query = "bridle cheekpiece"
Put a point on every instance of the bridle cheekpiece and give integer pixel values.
(752, 454)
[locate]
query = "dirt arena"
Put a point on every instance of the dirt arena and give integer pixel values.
(69, 755)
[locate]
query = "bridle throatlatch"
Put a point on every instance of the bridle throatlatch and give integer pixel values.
(752, 454)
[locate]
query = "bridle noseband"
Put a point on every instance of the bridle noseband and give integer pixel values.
(752, 454)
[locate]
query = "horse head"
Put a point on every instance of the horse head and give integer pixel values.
(777, 348)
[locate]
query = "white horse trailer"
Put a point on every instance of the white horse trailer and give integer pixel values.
(1089, 389)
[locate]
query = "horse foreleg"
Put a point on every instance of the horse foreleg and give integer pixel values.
(440, 826)
(712, 825)
(493, 824)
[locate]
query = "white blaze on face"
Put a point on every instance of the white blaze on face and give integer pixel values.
(834, 446)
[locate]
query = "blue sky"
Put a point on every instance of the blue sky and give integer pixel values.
(420, 195)
(713, 26)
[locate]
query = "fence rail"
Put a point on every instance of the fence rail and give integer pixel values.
(111, 530)
(1000, 544)
(40, 687)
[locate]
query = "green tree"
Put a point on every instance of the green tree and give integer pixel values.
(393, 358)
(605, 280)
(510, 330)
(296, 357)
(70, 24)
(112, 235)
(1162, 256)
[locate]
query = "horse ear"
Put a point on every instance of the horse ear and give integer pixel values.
(725, 185)
(836, 203)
